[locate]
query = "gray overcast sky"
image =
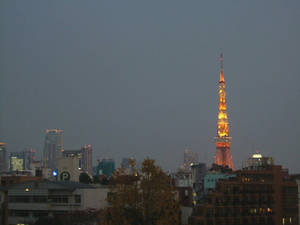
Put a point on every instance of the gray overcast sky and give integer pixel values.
(139, 78)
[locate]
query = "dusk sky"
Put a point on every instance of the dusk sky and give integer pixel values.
(140, 78)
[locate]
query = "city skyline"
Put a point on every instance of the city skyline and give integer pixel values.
(129, 83)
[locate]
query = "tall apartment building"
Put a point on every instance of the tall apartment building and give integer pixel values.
(85, 156)
(54, 143)
(3, 157)
(257, 195)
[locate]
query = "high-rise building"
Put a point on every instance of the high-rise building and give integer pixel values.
(189, 158)
(106, 167)
(88, 159)
(54, 143)
(19, 161)
(85, 156)
(223, 155)
(3, 159)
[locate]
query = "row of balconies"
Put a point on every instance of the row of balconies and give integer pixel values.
(240, 214)
(246, 222)
(237, 221)
(249, 191)
(245, 202)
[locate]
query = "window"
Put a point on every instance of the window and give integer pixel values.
(39, 213)
(19, 213)
(19, 199)
(59, 199)
(39, 199)
(77, 199)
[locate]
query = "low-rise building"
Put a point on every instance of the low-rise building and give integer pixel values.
(30, 200)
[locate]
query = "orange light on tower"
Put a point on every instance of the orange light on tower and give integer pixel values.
(223, 155)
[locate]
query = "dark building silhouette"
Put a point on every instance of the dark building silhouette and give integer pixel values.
(265, 194)
(3, 157)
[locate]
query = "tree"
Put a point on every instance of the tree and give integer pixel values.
(144, 197)
(84, 178)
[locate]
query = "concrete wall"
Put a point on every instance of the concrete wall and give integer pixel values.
(94, 198)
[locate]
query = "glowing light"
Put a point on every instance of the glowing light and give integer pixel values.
(54, 173)
(221, 77)
(256, 156)
(223, 140)
(27, 189)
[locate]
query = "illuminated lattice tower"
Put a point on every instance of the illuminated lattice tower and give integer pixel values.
(223, 155)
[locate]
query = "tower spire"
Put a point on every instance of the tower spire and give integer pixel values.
(221, 68)
(223, 155)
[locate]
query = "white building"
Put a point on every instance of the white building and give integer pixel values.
(30, 200)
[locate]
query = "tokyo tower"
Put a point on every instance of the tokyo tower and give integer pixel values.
(223, 155)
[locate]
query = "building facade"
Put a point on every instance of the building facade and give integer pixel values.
(68, 169)
(189, 158)
(3, 157)
(198, 172)
(106, 167)
(223, 156)
(54, 144)
(262, 195)
(85, 157)
(30, 200)
(296, 177)
(211, 179)
(19, 161)
(3, 206)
